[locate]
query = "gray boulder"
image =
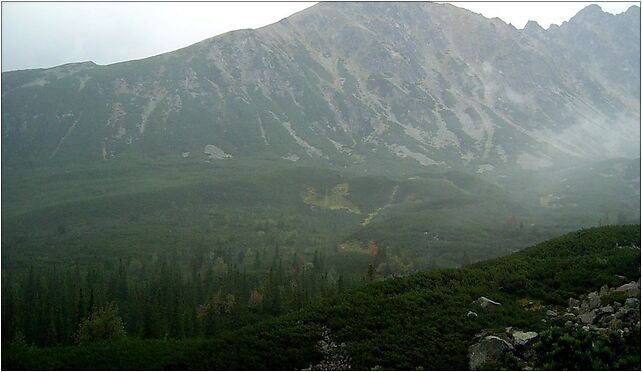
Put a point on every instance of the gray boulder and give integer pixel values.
(589, 317)
(524, 339)
(631, 289)
(491, 349)
(592, 300)
(484, 302)
(572, 302)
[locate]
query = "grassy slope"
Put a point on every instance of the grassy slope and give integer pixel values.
(403, 323)
(119, 210)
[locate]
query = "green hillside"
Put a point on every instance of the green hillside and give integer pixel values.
(91, 214)
(417, 321)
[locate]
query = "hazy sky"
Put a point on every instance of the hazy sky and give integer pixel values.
(48, 34)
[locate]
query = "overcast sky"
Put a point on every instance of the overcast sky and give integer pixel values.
(50, 34)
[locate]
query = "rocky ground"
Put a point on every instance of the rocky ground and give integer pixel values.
(607, 311)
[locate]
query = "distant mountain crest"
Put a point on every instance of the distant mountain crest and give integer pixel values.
(357, 85)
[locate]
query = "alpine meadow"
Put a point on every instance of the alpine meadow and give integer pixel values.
(358, 186)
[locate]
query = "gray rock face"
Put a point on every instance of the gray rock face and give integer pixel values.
(491, 349)
(524, 339)
(485, 302)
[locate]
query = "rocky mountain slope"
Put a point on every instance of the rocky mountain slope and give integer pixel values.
(355, 85)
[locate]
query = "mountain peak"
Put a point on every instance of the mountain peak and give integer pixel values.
(590, 13)
(533, 26)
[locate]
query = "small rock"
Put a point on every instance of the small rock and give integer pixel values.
(568, 316)
(572, 302)
(485, 302)
(604, 290)
(524, 339)
(551, 313)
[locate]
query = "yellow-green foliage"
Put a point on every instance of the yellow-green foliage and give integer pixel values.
(336, 199)
(353, 246)
(530, 304)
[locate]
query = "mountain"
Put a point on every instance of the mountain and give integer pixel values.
(365, 86)
(417, 322)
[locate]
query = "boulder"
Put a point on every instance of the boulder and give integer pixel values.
(490, 350)
(627, 314)
(631, 289)
(572, 302)
(524, 339)
(593, 300)
(589, 317)
(485, 302)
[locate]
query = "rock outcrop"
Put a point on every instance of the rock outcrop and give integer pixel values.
(601, 312)
(598, 311)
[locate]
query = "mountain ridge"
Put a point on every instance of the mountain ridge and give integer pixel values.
(347, 85)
